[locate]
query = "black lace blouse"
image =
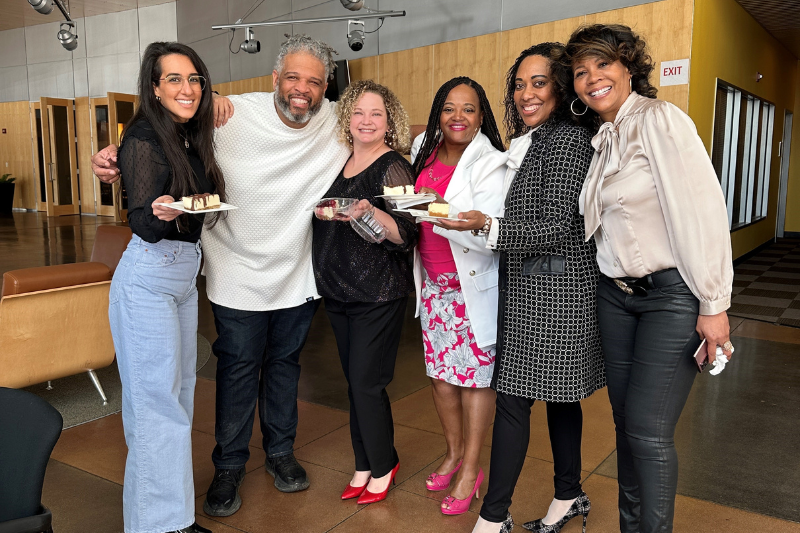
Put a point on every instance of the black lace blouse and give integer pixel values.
(147, 175)
(347, 267)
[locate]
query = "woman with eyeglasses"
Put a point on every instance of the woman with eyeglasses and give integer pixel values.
(166, 153)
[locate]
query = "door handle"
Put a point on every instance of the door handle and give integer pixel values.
(52, 173)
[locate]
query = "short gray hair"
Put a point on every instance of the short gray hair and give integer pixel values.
(303, 43)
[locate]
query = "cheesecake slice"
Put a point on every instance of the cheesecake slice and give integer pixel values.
(399, 190)
(201, 202)
(438, 210)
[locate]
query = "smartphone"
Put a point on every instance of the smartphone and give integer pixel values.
(701, 356)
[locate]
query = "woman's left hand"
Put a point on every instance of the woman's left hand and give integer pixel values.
(167, 214)
(716, 331)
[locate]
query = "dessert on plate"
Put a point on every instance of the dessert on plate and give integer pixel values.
(439, 209)
(201, 202)
(399, 190)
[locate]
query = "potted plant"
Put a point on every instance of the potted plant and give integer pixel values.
(6, 193)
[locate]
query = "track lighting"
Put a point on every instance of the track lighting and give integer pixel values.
(250, 44)
(355, 36)
(45, 7)
(352, 5)
(66, 37)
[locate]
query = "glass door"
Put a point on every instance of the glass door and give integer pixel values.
(59, 157)
(38, 160)
(120, 111)
(107, 203)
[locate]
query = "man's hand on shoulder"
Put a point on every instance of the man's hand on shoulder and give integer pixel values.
(223, 110)
(104, 164)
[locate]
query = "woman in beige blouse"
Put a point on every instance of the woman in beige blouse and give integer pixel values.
(655, 208)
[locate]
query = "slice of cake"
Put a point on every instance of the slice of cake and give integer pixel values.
(201, 202)
(393, 191)
(438, 210)
(409, 189)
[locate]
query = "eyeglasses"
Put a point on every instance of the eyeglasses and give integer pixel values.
(177, 81)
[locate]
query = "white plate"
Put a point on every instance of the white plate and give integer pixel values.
(406, 197)
(421, 214)
(179, 206)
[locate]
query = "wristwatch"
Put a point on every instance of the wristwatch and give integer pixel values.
(485, 229)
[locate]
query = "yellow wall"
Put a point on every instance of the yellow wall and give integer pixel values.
(793, 191)
(15, 151)
(727, 43)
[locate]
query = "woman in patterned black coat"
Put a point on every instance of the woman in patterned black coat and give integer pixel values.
(548, 345)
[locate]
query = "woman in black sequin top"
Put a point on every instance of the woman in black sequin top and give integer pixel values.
(166, 153)
(366, 285)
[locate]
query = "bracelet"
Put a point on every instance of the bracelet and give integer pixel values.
(485, 229)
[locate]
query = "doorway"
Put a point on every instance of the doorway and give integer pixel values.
(59, 162)
(785, 152)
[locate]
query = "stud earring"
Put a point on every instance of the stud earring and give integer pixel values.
(572, 108)
(158, 98)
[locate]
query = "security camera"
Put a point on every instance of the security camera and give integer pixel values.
(250, 44)
(355, 36)
(66, 37)
(352, 5)
(42, 6)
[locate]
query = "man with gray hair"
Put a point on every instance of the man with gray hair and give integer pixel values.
(279, 154)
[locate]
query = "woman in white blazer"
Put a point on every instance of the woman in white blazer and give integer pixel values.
(461, 159)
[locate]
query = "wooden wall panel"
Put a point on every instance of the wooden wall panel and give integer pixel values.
(365, 69)
(83, 130)
(250, 85)
(477, 58)
(410, 75)
(16, 151)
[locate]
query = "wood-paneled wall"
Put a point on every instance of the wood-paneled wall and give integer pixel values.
(16, 151)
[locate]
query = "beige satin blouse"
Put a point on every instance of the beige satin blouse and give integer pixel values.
(652, 201)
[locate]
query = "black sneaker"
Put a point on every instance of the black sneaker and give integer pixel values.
(194, 528)
(223, 498)
(289, 475)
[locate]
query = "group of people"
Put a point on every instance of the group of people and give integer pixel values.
(594, 251)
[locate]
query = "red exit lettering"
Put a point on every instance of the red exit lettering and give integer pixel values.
(672, 71)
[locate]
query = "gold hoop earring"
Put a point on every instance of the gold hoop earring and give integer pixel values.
(572, 108)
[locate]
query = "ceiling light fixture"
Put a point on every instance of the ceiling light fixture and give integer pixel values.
(250, 44)
(353, 5)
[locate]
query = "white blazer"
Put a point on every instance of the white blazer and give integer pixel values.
(477, 183)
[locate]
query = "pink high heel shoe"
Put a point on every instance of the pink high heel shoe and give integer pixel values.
(437, 482)
(452, 506)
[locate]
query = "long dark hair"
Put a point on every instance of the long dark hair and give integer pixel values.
(611, 42)
(489, 126)
(199, 130)
(559, 76)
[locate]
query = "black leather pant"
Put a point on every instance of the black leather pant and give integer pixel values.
(648, 346)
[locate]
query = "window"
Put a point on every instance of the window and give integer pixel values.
(742, 153)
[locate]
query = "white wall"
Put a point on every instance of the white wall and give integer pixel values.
(34, 64)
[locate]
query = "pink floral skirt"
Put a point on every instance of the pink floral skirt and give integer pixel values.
(451, 353)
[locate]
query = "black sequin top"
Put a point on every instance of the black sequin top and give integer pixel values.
(347, 267)
(147, 175)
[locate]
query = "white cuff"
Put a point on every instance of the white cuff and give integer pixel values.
(494, 232)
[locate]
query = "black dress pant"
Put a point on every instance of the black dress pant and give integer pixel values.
(648, 346)
(510, 436)
(367, 335)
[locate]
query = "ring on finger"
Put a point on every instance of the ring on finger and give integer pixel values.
(728, 346)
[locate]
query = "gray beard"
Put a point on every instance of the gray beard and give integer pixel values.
(297, 118)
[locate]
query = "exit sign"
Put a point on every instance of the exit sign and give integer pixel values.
(675, 72)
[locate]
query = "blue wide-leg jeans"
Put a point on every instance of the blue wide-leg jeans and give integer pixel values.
(153, 315)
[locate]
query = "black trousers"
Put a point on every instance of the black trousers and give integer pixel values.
(510, 437)
(367, 335)
(648, 344)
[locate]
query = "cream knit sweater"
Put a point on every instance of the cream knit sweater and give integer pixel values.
(258, 258)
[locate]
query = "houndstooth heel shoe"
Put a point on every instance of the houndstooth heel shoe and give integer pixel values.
(581, 506)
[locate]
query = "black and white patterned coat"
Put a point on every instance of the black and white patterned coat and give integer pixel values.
(548, 339)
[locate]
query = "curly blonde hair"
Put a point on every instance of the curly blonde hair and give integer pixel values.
(398, 136)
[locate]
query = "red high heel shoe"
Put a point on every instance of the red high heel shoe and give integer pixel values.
(372, 497)
(354, 492)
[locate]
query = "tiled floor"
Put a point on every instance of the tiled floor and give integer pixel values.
(737, 438)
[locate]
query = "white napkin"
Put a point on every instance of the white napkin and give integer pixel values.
(720, 362)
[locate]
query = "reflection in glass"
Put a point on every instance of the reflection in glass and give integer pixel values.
(61, 155)
(101, 121)
(40, 154)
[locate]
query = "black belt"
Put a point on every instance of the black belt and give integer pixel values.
(640, 286)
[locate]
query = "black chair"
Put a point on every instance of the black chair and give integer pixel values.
(29, 429)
